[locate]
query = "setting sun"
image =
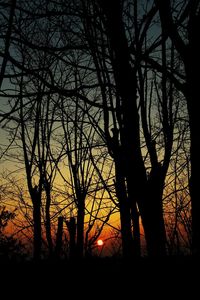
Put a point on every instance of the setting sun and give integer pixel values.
(100, 243)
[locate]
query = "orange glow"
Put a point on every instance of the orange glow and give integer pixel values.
(100, 243)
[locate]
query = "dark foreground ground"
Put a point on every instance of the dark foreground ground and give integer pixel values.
(103, 278)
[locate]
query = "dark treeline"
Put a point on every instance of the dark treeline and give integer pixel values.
(99, 117)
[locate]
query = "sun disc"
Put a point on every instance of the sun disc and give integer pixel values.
(100, 243)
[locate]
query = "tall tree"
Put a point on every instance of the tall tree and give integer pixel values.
(122, 80)
(186, 43)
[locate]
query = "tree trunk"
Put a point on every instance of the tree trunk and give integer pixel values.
(125, 216)
(71, 224)
(80, 227)
(59, 234)
(154, 227)
(152, 214)
(136, 230)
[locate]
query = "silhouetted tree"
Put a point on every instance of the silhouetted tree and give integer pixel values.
(71, 225)
(124, 141)
(85, 168)
(59, 236)
(11, 249)
(187, 46)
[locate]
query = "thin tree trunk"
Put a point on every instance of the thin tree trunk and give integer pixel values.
(80, 227)
(59, 235)
(71, 224)
(136, 230)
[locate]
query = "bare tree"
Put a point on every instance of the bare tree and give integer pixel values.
(183, 32)
(82, 144)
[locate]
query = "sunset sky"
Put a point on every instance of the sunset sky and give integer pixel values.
(96, 127)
